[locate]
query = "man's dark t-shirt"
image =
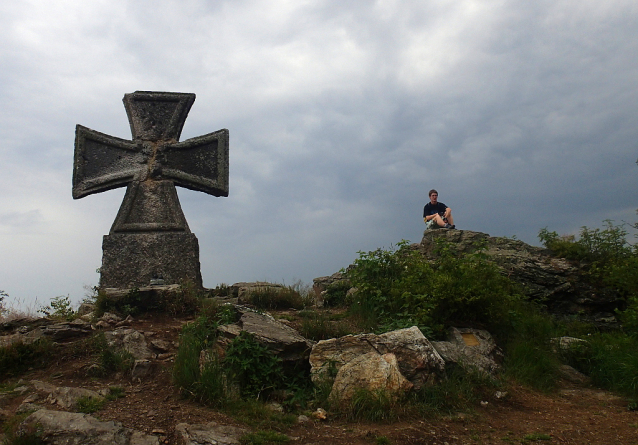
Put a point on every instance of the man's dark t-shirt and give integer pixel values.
(430, 209)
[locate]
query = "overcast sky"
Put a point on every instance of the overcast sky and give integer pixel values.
(342, 115)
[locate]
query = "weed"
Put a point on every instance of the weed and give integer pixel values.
(382, 440)
(263, 438)
(112, 360)
(257, 415)
(536, 437)
(18, 357)
(459, 391)
(115, 392)
(89, 405)
(317, 326)
(276, 298)
(529, 356)
(194, 338)
(372, 406)
(611, 360)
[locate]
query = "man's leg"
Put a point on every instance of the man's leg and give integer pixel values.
(448, 216)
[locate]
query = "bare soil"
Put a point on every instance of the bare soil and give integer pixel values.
(572, 415)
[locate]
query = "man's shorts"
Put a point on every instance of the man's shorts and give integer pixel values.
(431, 224)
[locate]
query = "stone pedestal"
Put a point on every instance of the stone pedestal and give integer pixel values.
(140, 259)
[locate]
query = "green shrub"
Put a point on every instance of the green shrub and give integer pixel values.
(18, 357)
(605, 244)
(400, 288)
(336, 293)
(252, 366)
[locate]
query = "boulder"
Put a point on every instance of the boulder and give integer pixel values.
(130, 340)
(372, 372)
(282, 340)
(62, 428)
(556, 281)
(417, 359)
(208, 434)
(470, 347)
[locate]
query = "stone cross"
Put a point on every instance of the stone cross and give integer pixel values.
(150, 241)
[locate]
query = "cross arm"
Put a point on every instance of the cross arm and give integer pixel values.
(200, 163)
(103, 162)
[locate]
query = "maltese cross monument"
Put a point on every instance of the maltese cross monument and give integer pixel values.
(150, 242)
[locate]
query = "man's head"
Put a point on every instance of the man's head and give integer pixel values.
(434, 195)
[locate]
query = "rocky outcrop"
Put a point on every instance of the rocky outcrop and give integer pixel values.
(556, 281)
(417, 359)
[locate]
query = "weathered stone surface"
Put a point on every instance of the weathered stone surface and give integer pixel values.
(284, 341)
(470, 347)
(60, 332)
(62, 428)
(372, 372)
(417, 359)
(135, 259)
(67, 397)
(208, 434)
(150, 241)
(130, 340)
(557, 281)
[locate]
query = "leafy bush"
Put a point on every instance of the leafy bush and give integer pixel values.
(60, 308)
(399, 288)
(605, 244)
(610, 260)
(252, 366)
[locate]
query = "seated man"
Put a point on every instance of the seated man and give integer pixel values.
(436, 214)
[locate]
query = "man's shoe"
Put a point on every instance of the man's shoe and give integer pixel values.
(447, 226)
(453, 226)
